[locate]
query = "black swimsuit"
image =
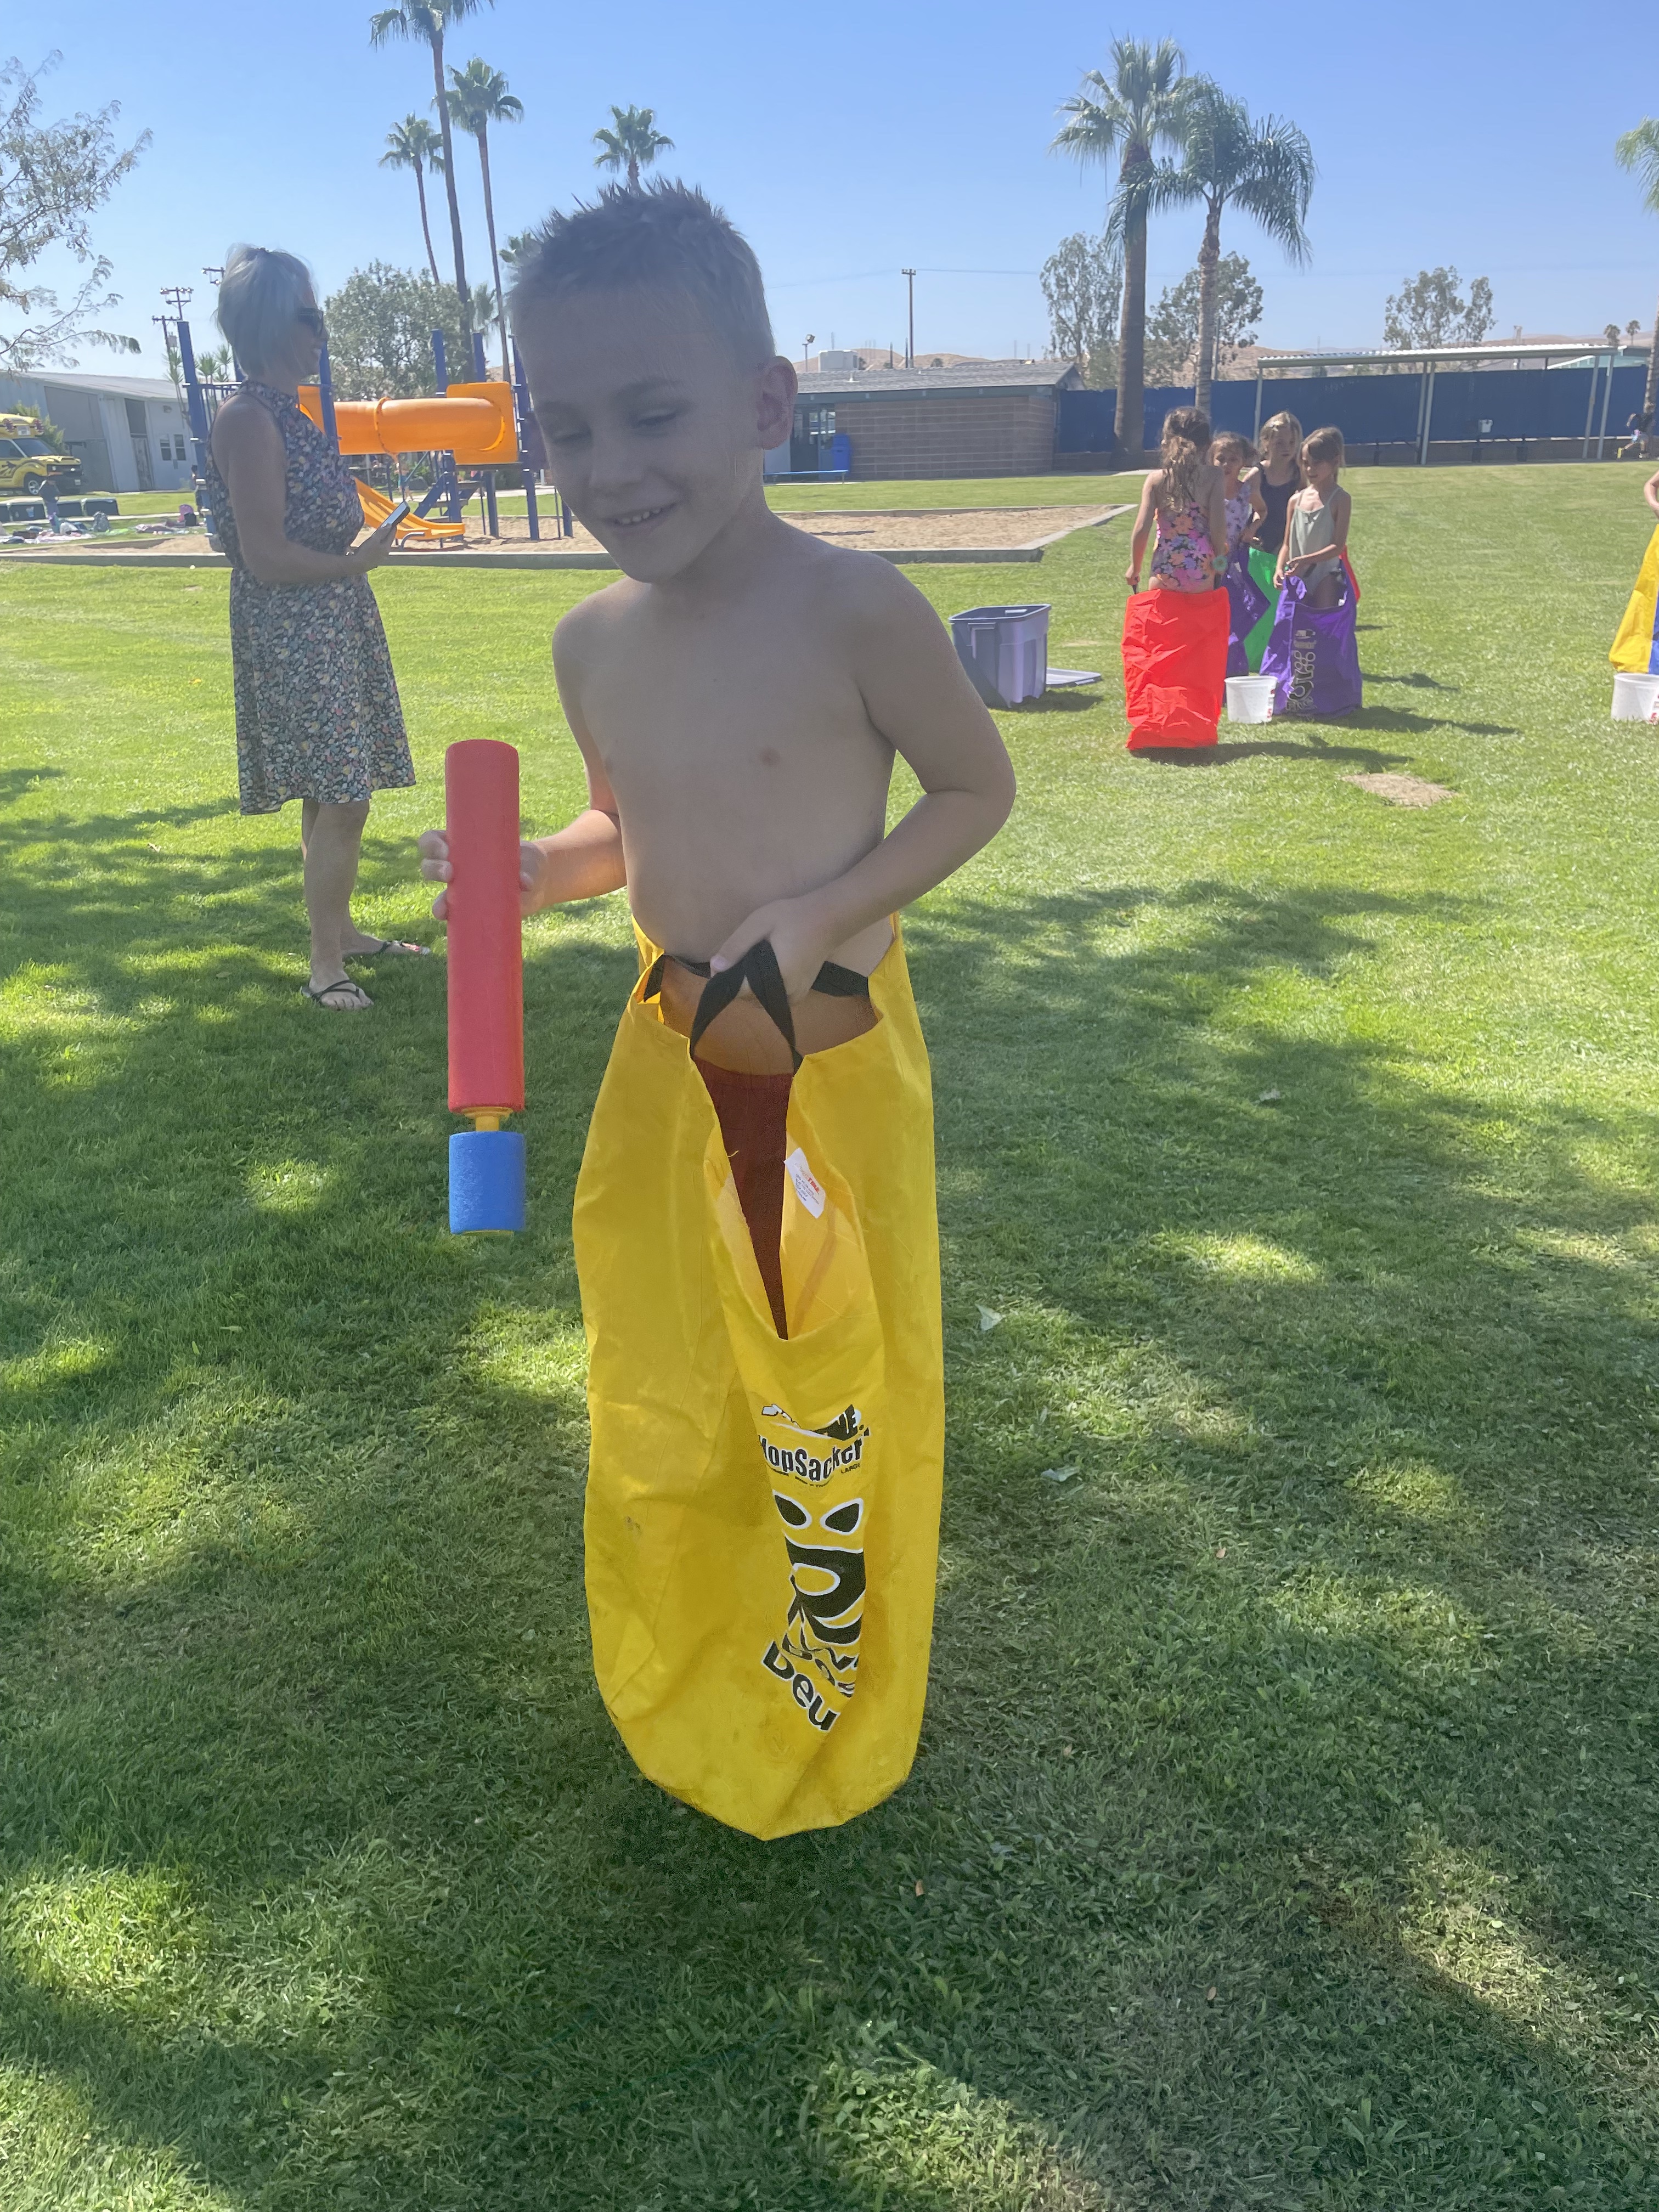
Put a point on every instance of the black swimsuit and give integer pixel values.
(1276, 498)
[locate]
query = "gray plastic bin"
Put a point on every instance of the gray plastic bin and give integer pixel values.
(1005, 651)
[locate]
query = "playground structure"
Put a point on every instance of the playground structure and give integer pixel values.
(485, 425)
(486, 986)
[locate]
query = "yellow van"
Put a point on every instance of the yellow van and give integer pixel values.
(29, 464)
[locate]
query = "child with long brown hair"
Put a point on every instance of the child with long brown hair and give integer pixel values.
(1183, 498)
(1240, 501)
(1315, 545)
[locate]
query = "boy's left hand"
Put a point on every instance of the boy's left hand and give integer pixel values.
(802, 939)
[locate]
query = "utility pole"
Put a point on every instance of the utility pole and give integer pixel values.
(909, 276)
(177, 297)
(806, 346)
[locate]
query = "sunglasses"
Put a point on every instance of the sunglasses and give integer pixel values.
(311, 317)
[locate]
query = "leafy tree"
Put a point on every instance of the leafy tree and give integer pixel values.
(379, 333)
(217, 365)
(1265, 169)
(1428, 310)
(424, 22)
(53, 176)
(477, 97)
(1639, 150)
(413, 144)
(515, 245)
(1082, 281)
(1174, 325)
(633, 145)
(1128, 114)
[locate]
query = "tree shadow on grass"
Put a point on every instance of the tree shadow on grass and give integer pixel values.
(16, 783)
(298, 1698)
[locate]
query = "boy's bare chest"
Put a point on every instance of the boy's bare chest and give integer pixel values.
(726, 700)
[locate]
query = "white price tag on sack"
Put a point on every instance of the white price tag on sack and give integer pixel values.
(808, 1189)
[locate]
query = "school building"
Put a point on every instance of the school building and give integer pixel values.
(973, 418)
(129, 433)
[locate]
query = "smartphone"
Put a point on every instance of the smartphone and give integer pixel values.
(397, 515)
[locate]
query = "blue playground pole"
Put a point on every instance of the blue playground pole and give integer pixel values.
(196, 409)
(326, 393)
(445, 485)
(481, 375)
(521, 408)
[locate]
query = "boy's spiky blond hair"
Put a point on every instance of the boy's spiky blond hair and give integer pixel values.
(661, 236)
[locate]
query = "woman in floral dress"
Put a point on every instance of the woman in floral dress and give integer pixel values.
(316, 711)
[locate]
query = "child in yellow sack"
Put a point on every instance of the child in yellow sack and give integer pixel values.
(755, 1224)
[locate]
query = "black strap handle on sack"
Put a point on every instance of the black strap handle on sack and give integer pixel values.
(759, 968)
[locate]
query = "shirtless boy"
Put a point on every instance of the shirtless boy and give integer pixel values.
(738, 698)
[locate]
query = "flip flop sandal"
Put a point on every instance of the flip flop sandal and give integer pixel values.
(382, 946)
(320, 998)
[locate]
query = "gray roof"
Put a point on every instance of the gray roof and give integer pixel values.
(118, 387)
(967, 379)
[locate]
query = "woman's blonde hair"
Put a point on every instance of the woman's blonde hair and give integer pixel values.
(1183, 451)
(1286, 422)
(1233, 445)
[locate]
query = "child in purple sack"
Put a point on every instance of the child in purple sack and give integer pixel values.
(1315, 545)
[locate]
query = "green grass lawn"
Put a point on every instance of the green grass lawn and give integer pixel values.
(1285, 1833)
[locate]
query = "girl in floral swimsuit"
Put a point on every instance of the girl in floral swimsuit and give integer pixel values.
(1183, 498)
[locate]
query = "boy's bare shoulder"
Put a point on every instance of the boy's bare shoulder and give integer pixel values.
(863, 589)
(584, 630)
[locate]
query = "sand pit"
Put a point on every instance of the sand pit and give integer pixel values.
(879, 529)
(919, 534)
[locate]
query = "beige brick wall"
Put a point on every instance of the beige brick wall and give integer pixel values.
(1002, 434)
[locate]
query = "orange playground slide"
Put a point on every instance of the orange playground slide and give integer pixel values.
(474, 421)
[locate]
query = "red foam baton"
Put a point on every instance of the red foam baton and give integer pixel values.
(486, 951)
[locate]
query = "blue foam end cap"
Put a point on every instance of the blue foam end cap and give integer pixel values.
(486, 1180)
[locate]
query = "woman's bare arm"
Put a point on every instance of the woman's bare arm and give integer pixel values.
(1650, 488)
(247, 446)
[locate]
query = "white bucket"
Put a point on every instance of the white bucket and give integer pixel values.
(1250, 698)
(1636, 698)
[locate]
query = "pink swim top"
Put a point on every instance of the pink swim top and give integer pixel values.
(1183, 559)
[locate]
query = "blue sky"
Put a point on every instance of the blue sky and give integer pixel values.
(848, 140)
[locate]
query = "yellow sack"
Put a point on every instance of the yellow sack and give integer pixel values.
(761, 1521)
(1636, 648)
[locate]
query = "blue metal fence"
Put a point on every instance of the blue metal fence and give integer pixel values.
(1490, 406)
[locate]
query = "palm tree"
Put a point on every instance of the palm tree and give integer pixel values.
(424, 22)
(1639, 149)
(486, 312)
(633, 144)
(477, 97)
(413, 144)
(1266, 169)
(1128, 113)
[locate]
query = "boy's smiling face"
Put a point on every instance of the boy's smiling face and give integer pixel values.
(654, 430)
